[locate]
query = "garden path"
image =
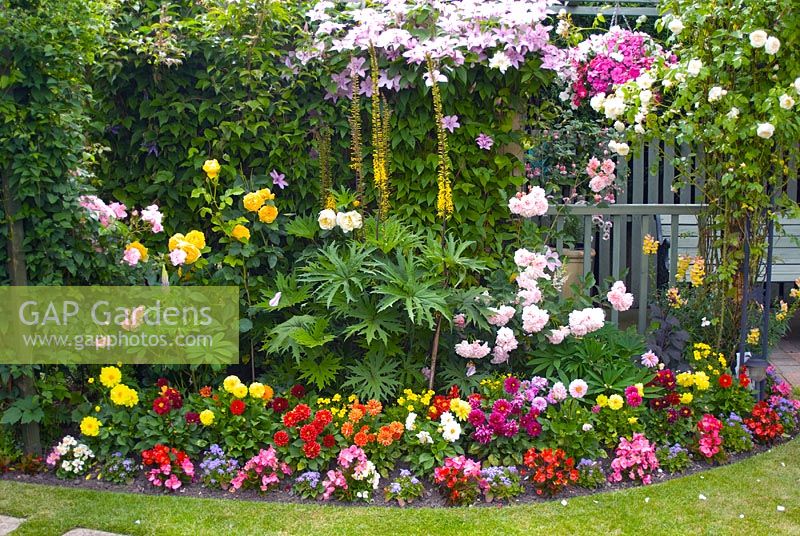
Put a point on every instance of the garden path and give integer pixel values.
(786, 358)
(9, 524)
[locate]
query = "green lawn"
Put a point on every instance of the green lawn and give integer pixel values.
(754, 488)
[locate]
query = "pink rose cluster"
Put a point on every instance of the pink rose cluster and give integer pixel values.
(502, 315)
(504, 344)
(710, 440)
(529, 205)
(601, 177)
(585, 321)
(472, 350)
(619, 297)
(635, 458)
(105, 213)
(263, 470)
(534, 319)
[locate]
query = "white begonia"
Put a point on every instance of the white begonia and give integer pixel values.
(564, 95)
(425, 438)
(716, 93)
(786, 101)
(694, 66)
(676, 26)
(327, 219)
(614, 107)
(619, 126)
(597, 101)
(765, 130)
(758, 38)
(734, 113)
(411, 421)
(646, 96)
(772, 45)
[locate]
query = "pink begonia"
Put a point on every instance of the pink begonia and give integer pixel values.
(534, 319)
(502, 315)
(153, 216)
(619, 297)
(649, 359)
(557, 336)
(332, 481)
(132, 256)
(172, 483)
(177, 257)
(710, 440)
(585, 321)
(529, 205)
(578, 388)
(472, 350)
(504, 344)
(557, 393)
(635, 458)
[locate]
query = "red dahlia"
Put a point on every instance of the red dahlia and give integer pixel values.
(281, 438)
(237, 407)
(311, 449)
(161, 405)
(298, 391)
(308, 432)
(328, 441)
(280, 404)
(725, 381)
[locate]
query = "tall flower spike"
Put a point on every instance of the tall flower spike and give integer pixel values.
(355, 133)
(380, 135)
(444, 198)
(326, 179)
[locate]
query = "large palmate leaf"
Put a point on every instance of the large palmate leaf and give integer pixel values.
(281, 338)
(338, 274)
(321, 373)
(372, 323)
(376, 376)
(312, 335)
(404, 283)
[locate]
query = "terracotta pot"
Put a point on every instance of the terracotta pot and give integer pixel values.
(572, 260)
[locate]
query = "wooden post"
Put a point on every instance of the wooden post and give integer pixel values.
(18, 274)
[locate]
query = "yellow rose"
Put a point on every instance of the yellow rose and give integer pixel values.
(196, 238)
(230, 382)
(110, 376)
(266, 194)
(268, 213)
(138, 246)
(241, 233)
(252, 201)
(207, 417)
(615, 402)
(257, 390)
(686, 398)
(175, 240)
(90, 426)
(240, 391)
(211, 167)
(602, 400)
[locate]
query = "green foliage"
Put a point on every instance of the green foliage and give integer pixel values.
(374, 376)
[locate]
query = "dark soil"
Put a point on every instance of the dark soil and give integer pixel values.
(283, 494)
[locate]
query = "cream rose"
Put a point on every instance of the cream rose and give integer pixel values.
(694, 66)
(758, 38)
(327, 219)
(772, 45)
(765, 130)
(786, 101)
(676, 26)
(349, 220)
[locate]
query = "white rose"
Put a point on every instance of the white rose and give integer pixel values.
(639, 129)
(676, 26)
(645, 96)
(694, 66)
(348, 220)
(597, 101)
(327, 219)
(734, 113)
(619, 126)
(772, 45)
(797, 84)
(645, 81)
(765, 130)
(758, 38)
(786, 101)
(614, 107)
(716, 93)
(623, 149)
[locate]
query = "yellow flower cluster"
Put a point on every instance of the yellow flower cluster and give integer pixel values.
(674, 298)
(683, 266)
(233, 385)
(380, 139)
(783, 312)
(256, 202)
(754, 336)
(705, 357)
(460, 408)
(701, 380)
(685, 379)
(412, 401)
(192, 244)
(90, 426)
(110, 376)
(686, 398)
(122, 395)
(207, 417)
(355, 132)
(698, 272)
(613, 402)
(649, 245)
(140, 247)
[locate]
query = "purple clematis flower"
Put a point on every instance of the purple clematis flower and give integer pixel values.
(484, 142)
(279, 179)
(450, 122)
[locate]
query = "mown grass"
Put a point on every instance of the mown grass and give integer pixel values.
(753, 488)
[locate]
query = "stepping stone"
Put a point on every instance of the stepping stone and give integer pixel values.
(89, 532)
(9, 524)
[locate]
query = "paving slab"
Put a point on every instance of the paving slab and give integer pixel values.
(9, 524)
(90, 532)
